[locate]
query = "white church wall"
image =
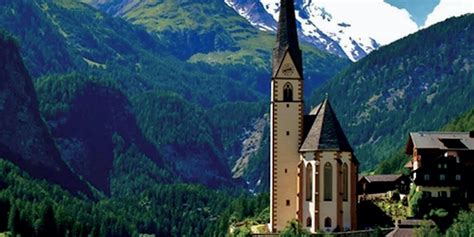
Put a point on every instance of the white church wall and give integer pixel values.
(328, 208)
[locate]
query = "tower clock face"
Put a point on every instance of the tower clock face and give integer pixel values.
(288, 69)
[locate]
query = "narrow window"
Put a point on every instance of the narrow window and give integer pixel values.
(328, 182)
(442, 177)
(427, 177)
(308, 222)
(288, 92)
(345, 182)
(288, 133)
(288, 202)
(458, 177)
(286, 171)
(327, 222)
(309, 182)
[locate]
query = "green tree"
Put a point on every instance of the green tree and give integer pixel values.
(294, 229)
(463, 226)
(427, 229)
(14, 220)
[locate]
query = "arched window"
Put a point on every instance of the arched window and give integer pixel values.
(327, 222)
(309, 182)
(288, 92)
(328, 182)
(308, 222)
(345, 182)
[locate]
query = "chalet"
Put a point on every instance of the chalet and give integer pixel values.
(377, 184)
(442, 166)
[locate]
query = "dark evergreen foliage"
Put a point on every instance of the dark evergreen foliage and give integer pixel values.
(418, 83)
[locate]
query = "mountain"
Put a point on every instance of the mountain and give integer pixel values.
(463, 123)
(418, 83)
(350, 28)
(316, 25)
(25, 138)
(213, 33)
(85, 113)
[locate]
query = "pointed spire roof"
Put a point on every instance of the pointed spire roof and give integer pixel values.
(287, 37)
(323, 131)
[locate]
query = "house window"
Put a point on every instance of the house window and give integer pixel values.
(345, 182)
(427, 177)
(439, 166)
(309, 182)
(288, 92)
(328, 182)
(288, 202)
(445, 166)
(327, 222)
(288, 133)
(458, 177)
(442, 194)
(426, 194)
(308, 222)
(442, 177)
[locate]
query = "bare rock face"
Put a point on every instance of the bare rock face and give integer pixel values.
(24, 137)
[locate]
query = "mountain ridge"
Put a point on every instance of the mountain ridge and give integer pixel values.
(405, 86)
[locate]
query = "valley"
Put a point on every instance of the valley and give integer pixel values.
(135, 117)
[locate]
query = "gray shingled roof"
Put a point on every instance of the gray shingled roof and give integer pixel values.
(323, 131)
(287, 38)
(434, 140)
(382, 178)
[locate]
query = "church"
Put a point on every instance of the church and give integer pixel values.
(313, 167)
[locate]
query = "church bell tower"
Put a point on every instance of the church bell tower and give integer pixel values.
(286, 119)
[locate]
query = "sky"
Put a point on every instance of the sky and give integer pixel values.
(389, 20)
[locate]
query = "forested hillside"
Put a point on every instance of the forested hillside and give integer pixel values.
(418, 83)
(464, 123)
(78, 56)
(139, 205)
(211, 32)
(24, 138)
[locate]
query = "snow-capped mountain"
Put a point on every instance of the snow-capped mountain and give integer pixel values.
(329, 25)
(316, 25)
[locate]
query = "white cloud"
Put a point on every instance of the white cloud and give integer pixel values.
(449, 8)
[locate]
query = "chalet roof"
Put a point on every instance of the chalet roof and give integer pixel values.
(323, 131)
(382, 178)
(287, 38)
(440, 141)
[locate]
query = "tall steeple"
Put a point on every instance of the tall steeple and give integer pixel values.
(286, 117)
(287, 37)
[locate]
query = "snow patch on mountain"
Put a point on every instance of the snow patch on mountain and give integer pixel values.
(350, 28)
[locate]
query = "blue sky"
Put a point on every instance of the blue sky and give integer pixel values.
(418, 9)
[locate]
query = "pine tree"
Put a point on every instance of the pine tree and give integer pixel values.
(14, 220)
